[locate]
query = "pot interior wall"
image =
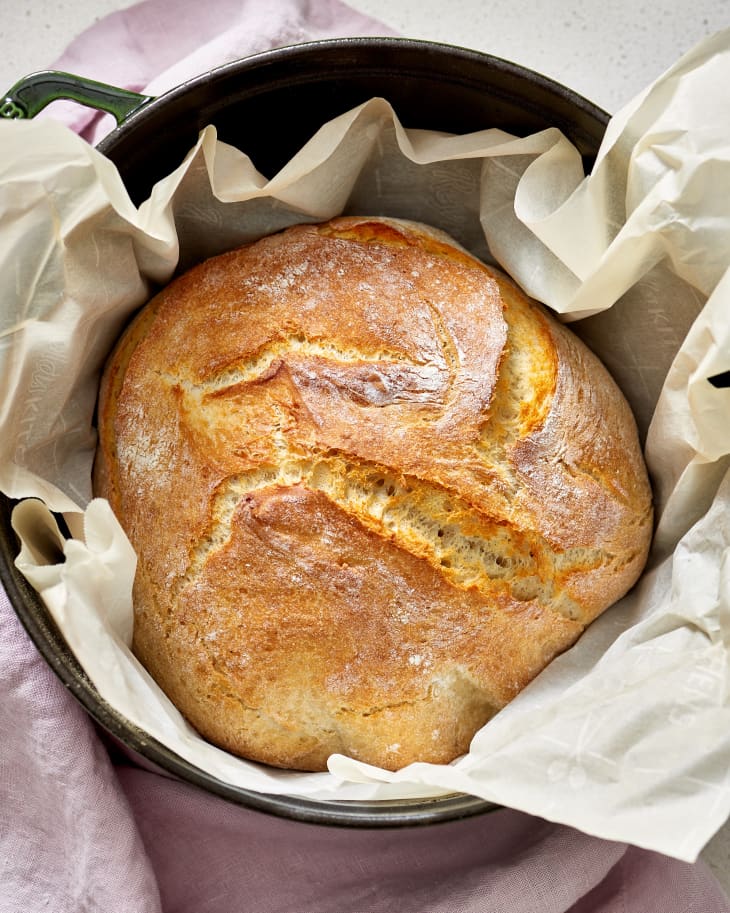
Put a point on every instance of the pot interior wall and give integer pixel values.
(271, 104)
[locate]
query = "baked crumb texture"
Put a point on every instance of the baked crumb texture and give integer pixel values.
(373, 489)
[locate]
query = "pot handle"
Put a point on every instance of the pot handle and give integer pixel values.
(31, 95)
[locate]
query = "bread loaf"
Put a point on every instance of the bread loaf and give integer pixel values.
(373, 490)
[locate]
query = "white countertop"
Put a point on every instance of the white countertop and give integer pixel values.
(607, 50)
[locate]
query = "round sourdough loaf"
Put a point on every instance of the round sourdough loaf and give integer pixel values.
(373, 490)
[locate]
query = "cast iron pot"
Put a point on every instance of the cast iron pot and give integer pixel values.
(291, 92)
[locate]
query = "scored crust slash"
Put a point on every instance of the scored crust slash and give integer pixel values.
(373, 490)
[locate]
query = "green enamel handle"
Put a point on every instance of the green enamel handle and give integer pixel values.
(31, 95)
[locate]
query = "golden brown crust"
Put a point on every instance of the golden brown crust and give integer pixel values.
(373, 490)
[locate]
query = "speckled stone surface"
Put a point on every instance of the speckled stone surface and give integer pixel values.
(607, 50)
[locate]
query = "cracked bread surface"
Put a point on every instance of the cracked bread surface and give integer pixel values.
(373, 490)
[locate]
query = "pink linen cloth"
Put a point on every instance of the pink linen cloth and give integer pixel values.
(82, 831)
(156, 45)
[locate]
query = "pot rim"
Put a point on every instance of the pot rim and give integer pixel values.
(292, 52)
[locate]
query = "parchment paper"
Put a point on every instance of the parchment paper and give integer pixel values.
(625, 736)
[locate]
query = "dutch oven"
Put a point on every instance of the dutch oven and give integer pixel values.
(291, 92)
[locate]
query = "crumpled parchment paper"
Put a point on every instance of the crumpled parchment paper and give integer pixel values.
(625, 736)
